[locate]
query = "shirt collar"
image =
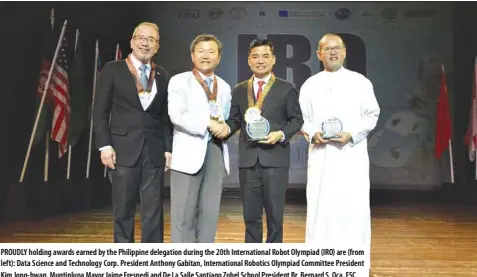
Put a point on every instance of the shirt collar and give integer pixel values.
(342, 69)
(265, 79)
(204, 77)
(137, 63)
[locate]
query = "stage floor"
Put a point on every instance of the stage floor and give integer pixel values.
(408, 239)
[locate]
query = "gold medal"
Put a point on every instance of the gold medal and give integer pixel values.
(252, 114)
(259, 103)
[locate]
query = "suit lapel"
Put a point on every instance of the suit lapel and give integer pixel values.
(131, 85)
(269, 97)
(159, 79)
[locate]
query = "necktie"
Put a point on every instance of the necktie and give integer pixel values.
(143, 78)
(208, 81)
(260, 84)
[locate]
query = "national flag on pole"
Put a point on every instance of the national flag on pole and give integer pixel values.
(79, 100)
(61, 98)
(443, 124)
(471, 135)
(48, 49)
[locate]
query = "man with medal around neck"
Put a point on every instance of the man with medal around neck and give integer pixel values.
(199, 102)
(136, 146)
(264, 165)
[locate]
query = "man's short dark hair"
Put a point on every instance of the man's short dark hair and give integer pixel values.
(261, 42)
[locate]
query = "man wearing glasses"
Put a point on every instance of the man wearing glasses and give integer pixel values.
(136, 145)
(339, 110)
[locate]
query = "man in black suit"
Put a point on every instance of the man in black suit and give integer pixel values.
(264, 164)
(137, 144)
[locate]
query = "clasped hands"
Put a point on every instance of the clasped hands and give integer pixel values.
(218, 129)
(222, 130)
(342, 138)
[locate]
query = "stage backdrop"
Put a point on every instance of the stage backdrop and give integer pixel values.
(398, 46)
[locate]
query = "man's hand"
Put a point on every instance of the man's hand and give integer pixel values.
(108, 158)
(318, 139)
(168, 156)
(219, 130)
(342, 138)
(272, 138)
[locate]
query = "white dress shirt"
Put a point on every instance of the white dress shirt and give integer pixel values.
(211, 87)
(145, 98)
(256, 86)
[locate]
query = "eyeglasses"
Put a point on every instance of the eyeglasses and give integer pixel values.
(328, 50)
(143, 38)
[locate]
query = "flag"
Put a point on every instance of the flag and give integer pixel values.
(48, 49)
(61, 100)
(79, 101)
(443, 119)
(471, 135)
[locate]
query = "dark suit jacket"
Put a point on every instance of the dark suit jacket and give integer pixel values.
(131, 126)
(282, 109)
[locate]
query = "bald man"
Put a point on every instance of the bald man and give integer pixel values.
(339, 111)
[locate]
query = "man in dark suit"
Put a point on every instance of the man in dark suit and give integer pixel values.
(264, 164)
(137, 144)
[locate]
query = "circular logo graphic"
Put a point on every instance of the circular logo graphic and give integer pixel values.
(389, 13)
(216, 13)
(238, 13)
(342, 14)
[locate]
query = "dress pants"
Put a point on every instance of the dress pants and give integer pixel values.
(195, 199)
(263, 187)
(146, 181)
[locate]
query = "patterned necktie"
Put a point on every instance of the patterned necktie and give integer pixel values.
(143, 78)
(260, 84)
(208, 81)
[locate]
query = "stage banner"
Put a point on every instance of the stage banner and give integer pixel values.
(400, 47)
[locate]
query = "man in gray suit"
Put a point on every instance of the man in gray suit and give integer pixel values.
(199, 102)
(264, 164)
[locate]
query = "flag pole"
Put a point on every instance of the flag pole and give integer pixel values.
(68, 170)
(451, 160)
(47, 143)
(27, 156)
(92, 110)
(117, 56)
(47, 156)
(473, 114)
